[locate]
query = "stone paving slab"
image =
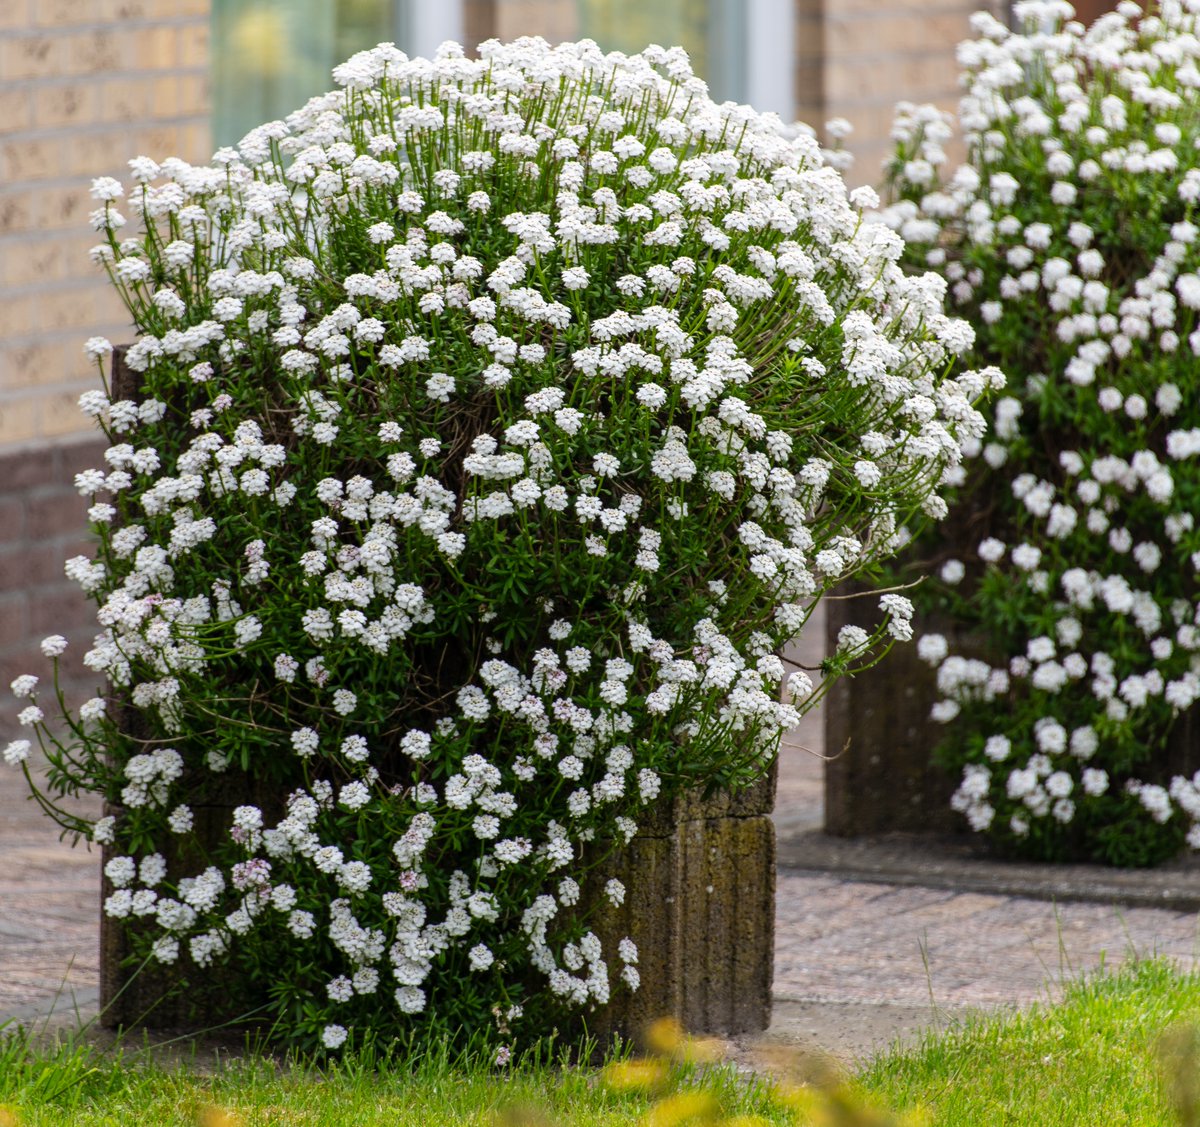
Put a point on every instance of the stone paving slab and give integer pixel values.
(900, 947)
(849, 1031)
(963, 864)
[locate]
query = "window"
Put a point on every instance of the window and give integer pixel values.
(742, 48)
(271, 56)
(711, 31)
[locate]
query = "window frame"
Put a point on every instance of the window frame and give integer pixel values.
(770, 48)
(427, 25)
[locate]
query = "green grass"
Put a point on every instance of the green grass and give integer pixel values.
(75, 1083)
(1095, 1057)
(1091, 1058)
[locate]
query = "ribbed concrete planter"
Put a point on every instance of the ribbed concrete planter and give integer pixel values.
(881, 777)
(700, 904)
(182, 996)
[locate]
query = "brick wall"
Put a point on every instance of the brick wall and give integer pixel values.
(809, 49)
(874, 55)
(42, 523)
(555, 20)
(84, 85)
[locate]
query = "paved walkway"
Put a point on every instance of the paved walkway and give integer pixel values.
(49, 908)
(857, 962)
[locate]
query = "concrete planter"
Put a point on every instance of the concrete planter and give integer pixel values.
(700, 904)
(182, 996)
(881, 777)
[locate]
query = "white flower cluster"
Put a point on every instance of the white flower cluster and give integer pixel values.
(499, 420)
(1069, 237)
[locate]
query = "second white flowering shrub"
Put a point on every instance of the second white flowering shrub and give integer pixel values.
(499, 421)
(1070, 239)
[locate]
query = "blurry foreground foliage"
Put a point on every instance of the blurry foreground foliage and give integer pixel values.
(795, 1086)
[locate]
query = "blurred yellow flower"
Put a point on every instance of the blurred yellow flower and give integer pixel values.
(635, 1075)
(702, 1050)
(217, 1117)
(664, 1036)
(680, 1108)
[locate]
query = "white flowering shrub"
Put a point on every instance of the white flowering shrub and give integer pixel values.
(1070, 241)
(500, 419)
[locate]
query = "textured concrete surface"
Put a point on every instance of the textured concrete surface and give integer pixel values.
(800, 787)
(864, 953)
(884, 780)
(699, 903)
(858, 965)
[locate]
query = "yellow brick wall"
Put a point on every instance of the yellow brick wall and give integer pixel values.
(555, 20)
(876, 54)
(84, 85)
(808, 47)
